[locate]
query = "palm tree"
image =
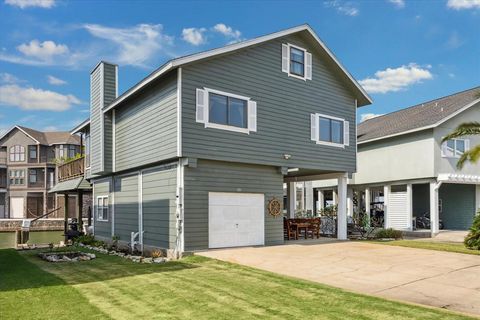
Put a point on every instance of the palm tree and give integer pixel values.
(466, 129)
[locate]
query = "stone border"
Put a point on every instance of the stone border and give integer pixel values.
(133, 258)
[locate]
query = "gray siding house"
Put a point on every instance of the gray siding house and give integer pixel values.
(406, 171)
(190, 157)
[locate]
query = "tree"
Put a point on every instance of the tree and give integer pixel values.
(466, 129)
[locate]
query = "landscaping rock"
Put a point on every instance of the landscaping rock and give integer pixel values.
(159, 260)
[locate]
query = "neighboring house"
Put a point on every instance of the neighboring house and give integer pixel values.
(404, 168)
(28, 171)
(190, 157)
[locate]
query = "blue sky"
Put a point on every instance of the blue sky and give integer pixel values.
(402, 52)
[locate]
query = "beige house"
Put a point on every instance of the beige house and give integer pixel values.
(405, 172)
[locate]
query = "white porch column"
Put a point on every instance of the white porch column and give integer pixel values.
(292, 194)
(410, 206)
(368, 198)
(302, 200)
(350, 202)
(309, 196)
(434, 216)
(321, 200)
(342, 208)
(334, 196)
(386, 197)
(477, 196)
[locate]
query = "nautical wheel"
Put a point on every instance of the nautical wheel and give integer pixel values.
(274, 207)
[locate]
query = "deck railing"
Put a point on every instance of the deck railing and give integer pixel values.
(72, 169)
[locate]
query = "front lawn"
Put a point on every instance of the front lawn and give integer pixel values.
(194, 288)
(431, 245)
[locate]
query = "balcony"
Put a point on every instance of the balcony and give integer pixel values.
(3, 161)
(72, 169)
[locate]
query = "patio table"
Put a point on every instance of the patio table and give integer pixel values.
(299, 226)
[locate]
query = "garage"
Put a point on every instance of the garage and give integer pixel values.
(235, 219)
(457, 205)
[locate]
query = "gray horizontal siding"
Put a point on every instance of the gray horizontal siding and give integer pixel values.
(126, 206)
(146, 128)
(284, 105)
(215, 176)
(102, 228)
(159, 207)
(458, 205)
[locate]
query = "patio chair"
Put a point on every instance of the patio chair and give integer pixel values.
(314, 228)
(291, 230)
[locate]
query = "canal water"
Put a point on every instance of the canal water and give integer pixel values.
(7, 239)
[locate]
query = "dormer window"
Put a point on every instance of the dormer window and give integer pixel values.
(296, 62)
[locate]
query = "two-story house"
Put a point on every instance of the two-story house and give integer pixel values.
(406, 171)
(28, 171)
(195, 155)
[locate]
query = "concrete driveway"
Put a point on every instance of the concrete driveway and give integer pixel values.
(434, 278)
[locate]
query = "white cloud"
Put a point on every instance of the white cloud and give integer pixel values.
(463, 4)
(345, 8)
(368, 116)
(9, 78)
(35, 99)
(50, 128)
(31, 3)
(44, 51)
(136, 45)
(227, 31)
(194, 36)
(55, 81)
(396, 79)
(398, 3)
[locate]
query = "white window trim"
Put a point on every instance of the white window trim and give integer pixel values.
(96, 208)
(454, 156)
(326, 143)
(209, 124)
(304, 78)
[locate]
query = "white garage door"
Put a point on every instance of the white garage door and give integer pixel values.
(16, 207)
(235, 219)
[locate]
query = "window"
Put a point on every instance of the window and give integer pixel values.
(454, 148)
(226, 111)
(61, 153)
(17, 177)
(296, 62)
(72, 150)
(329, 130)
(32, 176)
(102, 208)
(32, 152)
(17, 153)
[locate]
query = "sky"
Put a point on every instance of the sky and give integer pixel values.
(402, 52)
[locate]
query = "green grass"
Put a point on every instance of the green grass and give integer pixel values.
(193, 288)
(7, 239)
(431, 245)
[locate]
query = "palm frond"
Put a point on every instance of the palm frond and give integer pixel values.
(465, 129)
(472, 155)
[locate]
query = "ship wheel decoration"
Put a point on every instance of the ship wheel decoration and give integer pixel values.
(274, 207)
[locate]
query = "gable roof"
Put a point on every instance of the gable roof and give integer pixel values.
(46, 138)
(362, 96)
(416, 118)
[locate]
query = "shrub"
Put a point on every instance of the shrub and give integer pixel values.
(472, 240)
(388, 234)
(157, 254)
(86, 239)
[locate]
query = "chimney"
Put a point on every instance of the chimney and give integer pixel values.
(103, 90)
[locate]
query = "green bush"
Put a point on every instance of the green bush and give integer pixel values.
(388, 234)
(472, 240)
(86, 239)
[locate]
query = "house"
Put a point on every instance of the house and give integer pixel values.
(195, 155)
(28, 171)
(406, 171)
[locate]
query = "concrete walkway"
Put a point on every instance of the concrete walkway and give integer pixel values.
(434, 278)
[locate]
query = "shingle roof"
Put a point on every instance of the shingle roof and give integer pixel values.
(53, 137)
(416, 117)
